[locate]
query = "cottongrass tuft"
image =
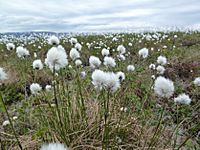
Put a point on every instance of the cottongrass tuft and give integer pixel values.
(35, 55)
(109, 62)
(107, 80)
(160, 70)
(73, 41)
(35, 88)
(130, 44)
(123, 109)
(197, 81)
(153, 77)
(105, 52)
(121, 49)
(48, 88)
(78, 62)
(121, 76)
(121, 57)
(83, 74)
(183, 99)
(74, 54)
(22, 52)
(98, 78)
(10, 46)
(175, 36)
(144, 52)
(53, 146)
(53, 40)
(37, 64)
(152, 66)
(163, 87)
(162, 60)
(5, 123)
(94, 62)
(130, 68)
(112, 81)
(78, 46)
(56, 58)
(3, 75)
(61, 48)
(15, 117)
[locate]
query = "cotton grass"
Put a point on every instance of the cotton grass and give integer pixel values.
(163, 87)
(35, 88)
(56, 59)
(3, 74)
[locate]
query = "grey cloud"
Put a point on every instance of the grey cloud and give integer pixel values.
(93, 15)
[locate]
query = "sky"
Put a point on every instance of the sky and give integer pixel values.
(93, 15)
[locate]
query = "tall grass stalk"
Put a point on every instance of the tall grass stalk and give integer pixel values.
(157, 128)
(82, 103)
(10, 120)
(106, 121)
(55, 96)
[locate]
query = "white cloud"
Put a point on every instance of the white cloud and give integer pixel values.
(93, 15)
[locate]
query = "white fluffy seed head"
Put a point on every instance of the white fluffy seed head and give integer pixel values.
(5, 123)
(164, 46)
(83, 74)
(35, 55)
(56, 58)
(15, 117)
(61, 48)
(107, 80)
(152, 66)
(162, 60)
(78, 46)
(175, 36)
(160, 70)
(123, 109)
(112, 81)
(153, 77)
(53, 40)
(121, 49)
(98, 78)
(144, 52)
(105, 52)
(121, 57)
(10, 46)
(130, 44)
(183, 99)
(37, 64)
(48, 88)
(74, 54)
(22, 52)
(35, 88)
(197, 81)
(114, 39)
(94, 62)
(70, 66)
(121, 76)
(109, 62)
(3, 75)
(78, 62)
(73, 41)
(163, 87)
(53, 146)
(130, 68)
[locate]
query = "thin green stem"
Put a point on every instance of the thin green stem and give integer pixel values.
(11, 124)
(157, 127)
(106, 121)
(83, 109)
(55, 96)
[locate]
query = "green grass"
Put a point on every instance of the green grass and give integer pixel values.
(149, 122)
